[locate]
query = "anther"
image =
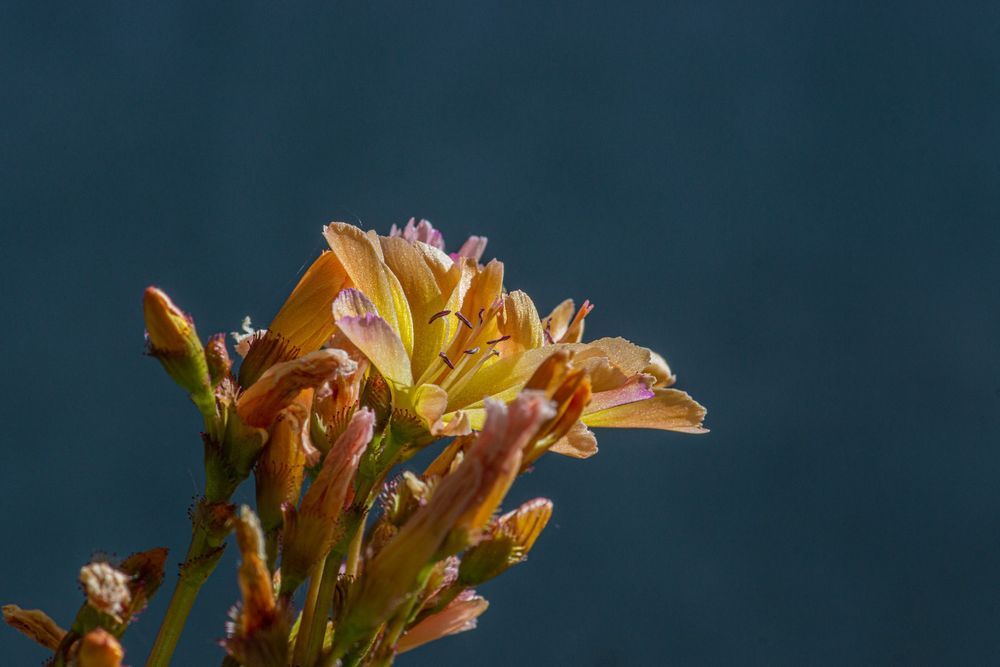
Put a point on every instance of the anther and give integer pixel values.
(471, 351)
(464, 319)
(437, 315)
(498, 340)
(481, 311)
(446, 360)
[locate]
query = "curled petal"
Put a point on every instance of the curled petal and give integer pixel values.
(659, 369)
(625, 355)
(278, 387)
(376, 339)
(669, 410)
(578, 443)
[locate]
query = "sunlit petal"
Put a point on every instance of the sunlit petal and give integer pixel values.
(669, 410)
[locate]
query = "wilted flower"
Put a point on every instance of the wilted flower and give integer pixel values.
(35, 624)
(107, 589)
(507, 543)
(310, 531)
(460, 615)
(258, 636)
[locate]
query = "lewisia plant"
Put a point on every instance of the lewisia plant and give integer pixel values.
(387, 346)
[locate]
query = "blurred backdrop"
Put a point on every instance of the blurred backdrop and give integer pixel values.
(797, 203)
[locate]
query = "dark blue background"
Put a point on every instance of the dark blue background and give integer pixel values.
(797, 203)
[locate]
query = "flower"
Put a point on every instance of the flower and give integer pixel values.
(446, 335)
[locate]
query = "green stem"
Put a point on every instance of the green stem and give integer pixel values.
(202, 557)
(355, 521)
(301, 655)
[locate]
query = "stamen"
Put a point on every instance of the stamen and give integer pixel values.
(547, 331)
(446, 360)
(498, 340)
(437, 315)
(481, 311)
(464, 319)
(471, 351)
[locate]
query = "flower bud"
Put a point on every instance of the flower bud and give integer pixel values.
(310, 532)
(171, 338)
(35, 624)
(280, 470)
(99, 648)
(217, 357)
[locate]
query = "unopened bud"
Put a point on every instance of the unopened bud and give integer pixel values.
(217, 357)
(35, 624)
(99, 648)
(280, 470)
(173, 340)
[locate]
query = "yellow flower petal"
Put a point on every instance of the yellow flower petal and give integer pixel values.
(519, 320)
(425, 299)
(502, 378)
(557, 322)
(304, 321)
(669, 410)
(362, 260)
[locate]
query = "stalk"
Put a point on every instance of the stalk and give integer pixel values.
(200, 562)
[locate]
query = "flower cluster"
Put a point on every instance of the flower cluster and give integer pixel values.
(388, 345)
